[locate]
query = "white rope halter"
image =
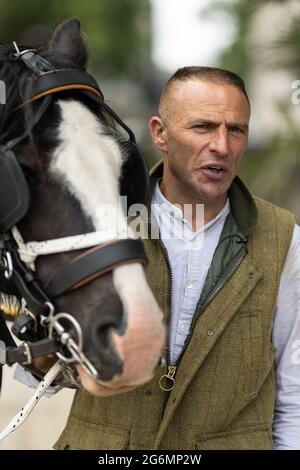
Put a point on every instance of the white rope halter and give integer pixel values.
(31, 250)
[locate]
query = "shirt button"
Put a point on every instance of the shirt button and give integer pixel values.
(210, 332)
(189, 284)
(183, 327)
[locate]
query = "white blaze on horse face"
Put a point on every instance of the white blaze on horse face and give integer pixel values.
(89, 162)
(144, 337)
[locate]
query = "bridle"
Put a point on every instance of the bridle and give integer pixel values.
(60, 332)
(39, 314)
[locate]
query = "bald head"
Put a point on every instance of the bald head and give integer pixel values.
(215, 75)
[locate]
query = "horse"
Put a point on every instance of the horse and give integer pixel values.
(66, 249)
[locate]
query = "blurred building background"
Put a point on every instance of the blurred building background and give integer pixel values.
(135, 45)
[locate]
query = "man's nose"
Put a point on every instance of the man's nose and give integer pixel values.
(219, 143)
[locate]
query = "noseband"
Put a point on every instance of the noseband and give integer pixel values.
(60, 332)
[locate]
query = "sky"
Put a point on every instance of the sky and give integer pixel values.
(182, 37)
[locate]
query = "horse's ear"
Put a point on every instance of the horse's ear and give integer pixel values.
(67, 39)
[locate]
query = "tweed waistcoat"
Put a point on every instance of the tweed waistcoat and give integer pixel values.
(225, 385)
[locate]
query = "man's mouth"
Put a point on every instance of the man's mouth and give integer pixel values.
(214, 172)
(214, 168)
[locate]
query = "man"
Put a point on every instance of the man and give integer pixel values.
(227, 287)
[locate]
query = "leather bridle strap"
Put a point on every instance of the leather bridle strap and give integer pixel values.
(24, 353)
(48, 83)
(95, 262)
(28, 287)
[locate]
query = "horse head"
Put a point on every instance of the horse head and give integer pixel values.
(64, 164)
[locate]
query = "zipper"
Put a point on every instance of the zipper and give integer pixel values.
(164, 379)
(170, 376)
(167, 381)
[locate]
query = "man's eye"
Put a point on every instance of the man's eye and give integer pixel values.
(236, 130)
(202, 126)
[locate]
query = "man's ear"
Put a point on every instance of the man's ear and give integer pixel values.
(67, 39)
(158, 133)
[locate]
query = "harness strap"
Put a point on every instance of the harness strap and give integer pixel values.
(51, 82)
(95, 262)
(28, 287)
(27, 351)
(7, 342)
(29, 251)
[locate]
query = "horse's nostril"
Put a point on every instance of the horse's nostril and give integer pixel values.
(106, 323)
(102, 333)
(109, 320)
(105, 356)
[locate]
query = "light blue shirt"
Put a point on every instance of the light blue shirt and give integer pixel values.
(189, 269)
(189, 265)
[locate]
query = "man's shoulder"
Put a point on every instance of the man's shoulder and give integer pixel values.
(273, 233)
(274, 223)
(266, 208)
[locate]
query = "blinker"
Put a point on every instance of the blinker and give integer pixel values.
(14, 191)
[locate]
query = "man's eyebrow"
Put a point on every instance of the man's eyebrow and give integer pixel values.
(212, 122)
(204, 121)
(241, 125)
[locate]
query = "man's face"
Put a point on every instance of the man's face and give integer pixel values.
(203, 134)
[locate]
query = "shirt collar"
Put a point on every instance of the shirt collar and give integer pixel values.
(170, 210)
(242, 204)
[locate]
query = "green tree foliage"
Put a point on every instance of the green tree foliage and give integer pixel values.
(118, 30)
(274, 165)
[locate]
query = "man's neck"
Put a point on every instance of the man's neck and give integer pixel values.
(192, 207)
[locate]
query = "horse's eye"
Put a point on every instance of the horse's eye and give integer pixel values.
(29, 174)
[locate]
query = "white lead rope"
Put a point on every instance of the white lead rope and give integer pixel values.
(26, 410)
